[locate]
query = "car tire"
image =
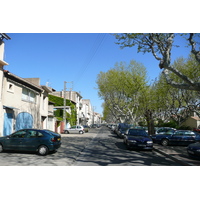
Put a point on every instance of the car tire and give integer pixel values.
(66, 132)
(81, 132)
(43, 150)
(1, 148)
(165, 142)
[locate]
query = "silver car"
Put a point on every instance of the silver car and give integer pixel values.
(75, 129)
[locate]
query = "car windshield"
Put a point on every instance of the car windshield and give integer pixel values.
(124, 128)
(137, 132)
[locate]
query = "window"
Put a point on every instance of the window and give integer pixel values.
(40, 134)
(28, 95)
(10, 87)
(31, 134)
(19, 134)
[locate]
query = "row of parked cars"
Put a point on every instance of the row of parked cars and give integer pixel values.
(138, 137)
(81, 129)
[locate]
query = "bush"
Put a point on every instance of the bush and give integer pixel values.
(171, 124)
(184, 128)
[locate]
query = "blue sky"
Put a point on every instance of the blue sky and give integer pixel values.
(77, 57)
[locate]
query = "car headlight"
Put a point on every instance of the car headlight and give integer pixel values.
(198, 150)
(149, 142)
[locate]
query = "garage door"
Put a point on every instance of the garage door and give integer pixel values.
(24, 120)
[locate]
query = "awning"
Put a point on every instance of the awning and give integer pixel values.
(10, 107)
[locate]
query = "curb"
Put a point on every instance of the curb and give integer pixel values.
(184, 163)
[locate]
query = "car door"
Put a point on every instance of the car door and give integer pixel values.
(188, 137)
(176, 138)
(31, 141)
(78, 128)
(15, 141)
(73, 129)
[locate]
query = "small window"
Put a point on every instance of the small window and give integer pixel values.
(31, 134)
(40, 134)
(10, 87)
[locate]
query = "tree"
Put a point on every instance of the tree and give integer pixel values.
(175, 103)
(160, 45)
(120, 88)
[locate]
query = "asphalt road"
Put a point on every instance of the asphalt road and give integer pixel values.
(106, 149)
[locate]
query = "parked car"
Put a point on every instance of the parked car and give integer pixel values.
(163, 130)
(138, 139)
(196, 130)
(86, 128)
(36, 140)
(176, 137)
(121, 129)
(75, 129)
(194, 149)
(95, 126)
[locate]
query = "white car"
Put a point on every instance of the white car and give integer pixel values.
(75, 129)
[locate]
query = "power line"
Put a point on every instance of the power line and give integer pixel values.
(93, 51)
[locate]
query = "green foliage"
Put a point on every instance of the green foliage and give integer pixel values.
(59, 101)
(171, 124)
(59, 112)
(121, 88)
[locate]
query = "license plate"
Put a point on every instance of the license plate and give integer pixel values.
(141, 145)
(58, 139)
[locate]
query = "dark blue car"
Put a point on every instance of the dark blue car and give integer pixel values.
(36, 140)
(138, 139)
(176, 137)
(194, 149)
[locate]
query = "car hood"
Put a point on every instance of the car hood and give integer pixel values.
(139, 138)
(194, 145)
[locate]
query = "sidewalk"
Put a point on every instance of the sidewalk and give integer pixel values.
(180, 158)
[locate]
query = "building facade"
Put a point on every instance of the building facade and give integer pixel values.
(25, 104)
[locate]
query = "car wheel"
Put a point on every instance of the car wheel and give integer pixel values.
(165, 142)
(1, 148)
(66, 132)
(81, 132)
(43, 150)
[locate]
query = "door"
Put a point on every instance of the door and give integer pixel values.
(24, 120)
(7, 126)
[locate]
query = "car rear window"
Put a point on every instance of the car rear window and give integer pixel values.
(51, 132)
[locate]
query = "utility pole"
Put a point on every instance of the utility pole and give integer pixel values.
(64, 100)
(93, 113)
(64, 110)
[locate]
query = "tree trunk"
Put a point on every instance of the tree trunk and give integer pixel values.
(150, 122)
